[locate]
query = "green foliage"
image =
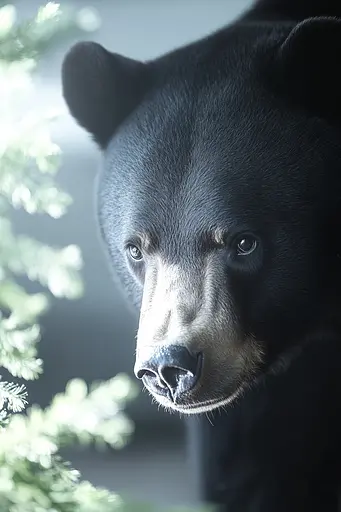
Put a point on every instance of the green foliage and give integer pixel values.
(28, 163)
(28, 39)
(33, 477)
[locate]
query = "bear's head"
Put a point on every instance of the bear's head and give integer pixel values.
(219, 199)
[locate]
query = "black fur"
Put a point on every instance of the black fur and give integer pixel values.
(93, 79)
(240, 130)
(295, 10)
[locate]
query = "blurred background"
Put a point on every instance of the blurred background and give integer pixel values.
(94, 338)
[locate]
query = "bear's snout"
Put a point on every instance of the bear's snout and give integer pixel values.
(191, 352)
(171, 371)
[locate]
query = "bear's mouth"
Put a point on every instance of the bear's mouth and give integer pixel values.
(210, 405)
(204, 406)
(195, 407)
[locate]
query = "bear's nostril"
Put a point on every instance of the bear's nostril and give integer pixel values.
(144, 372)
(172, 376)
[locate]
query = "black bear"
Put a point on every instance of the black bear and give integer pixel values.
(219, 199)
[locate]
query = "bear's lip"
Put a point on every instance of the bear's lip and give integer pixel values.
(205, 406)
(210, 405)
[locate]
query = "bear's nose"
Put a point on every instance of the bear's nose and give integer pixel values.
(170, 371)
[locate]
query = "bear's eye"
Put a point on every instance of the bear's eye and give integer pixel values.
(246, 244)
(135, 253)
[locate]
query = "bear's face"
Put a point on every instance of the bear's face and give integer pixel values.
(212, 205)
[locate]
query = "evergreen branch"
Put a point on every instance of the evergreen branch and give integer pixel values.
(18, 351)
(32, 475)
(24, 308)
(13, 396)
(77, 414)
(31, 38)
(56, 269)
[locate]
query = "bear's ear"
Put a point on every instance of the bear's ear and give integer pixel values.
(101, 88)
(309, 61)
